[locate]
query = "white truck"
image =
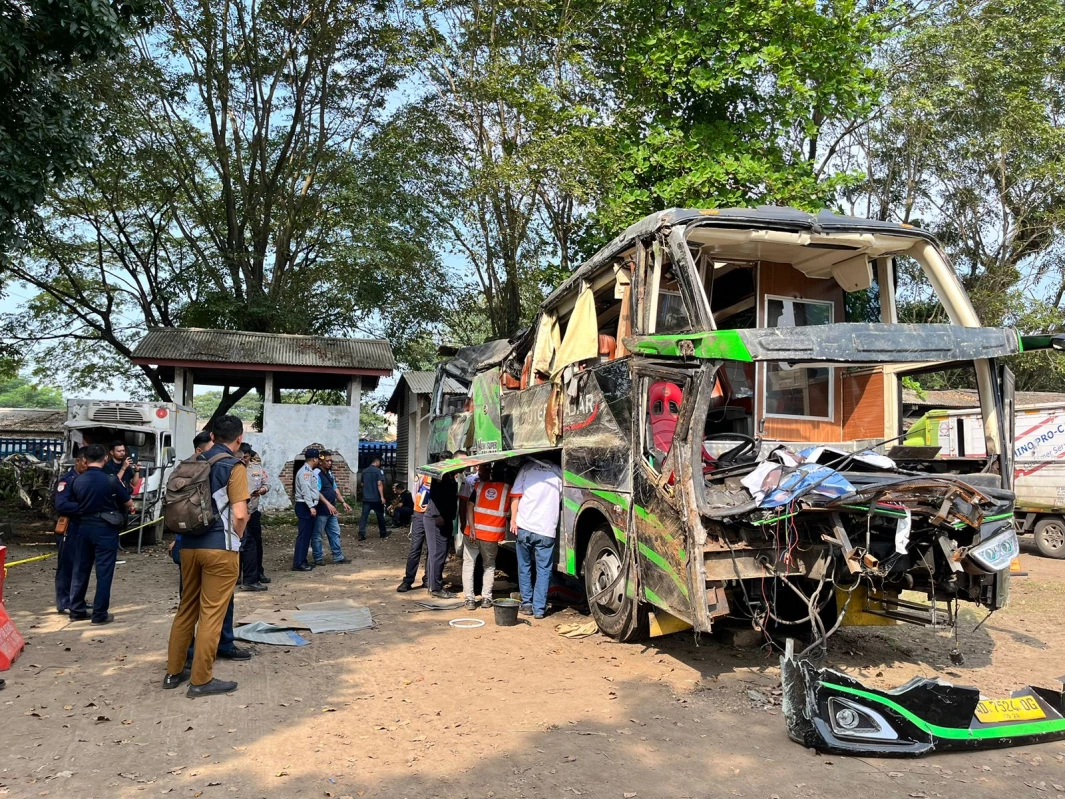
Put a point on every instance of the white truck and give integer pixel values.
(1039, 465)
(156, 435)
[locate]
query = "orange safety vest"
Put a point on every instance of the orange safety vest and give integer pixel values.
(421, 494)
(490, 512)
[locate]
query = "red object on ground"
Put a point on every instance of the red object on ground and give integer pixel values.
(11, 642)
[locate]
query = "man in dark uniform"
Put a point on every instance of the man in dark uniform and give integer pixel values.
(67, 542)
(102, 502)
(122, 466)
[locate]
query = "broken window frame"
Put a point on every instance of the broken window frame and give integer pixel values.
(645, 373)
(764, 371)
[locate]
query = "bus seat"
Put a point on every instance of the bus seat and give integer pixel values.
(664, 400)
(608, 346)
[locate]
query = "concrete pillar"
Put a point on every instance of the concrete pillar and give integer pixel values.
(184, 386)
(179, 385)
(268, 389)
(354, 392)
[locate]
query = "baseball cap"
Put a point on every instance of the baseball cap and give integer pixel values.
(311, 453)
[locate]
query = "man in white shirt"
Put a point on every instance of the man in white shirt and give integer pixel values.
(536, 503)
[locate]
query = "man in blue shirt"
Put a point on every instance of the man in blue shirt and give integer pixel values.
(373, 497)
(326, 521)
(122, 466)
(67, 542)
(305, 490)
(102, 502)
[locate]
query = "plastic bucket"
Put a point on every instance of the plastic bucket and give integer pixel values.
(506, 612)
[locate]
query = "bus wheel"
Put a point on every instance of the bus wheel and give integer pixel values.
(1050, 537)
(618, 616)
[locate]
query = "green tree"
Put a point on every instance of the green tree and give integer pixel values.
(734, 103)
(508, 132)
(248, 408)
(373, 424)
(45, 45)
(970, 146)
(20, 392)
(233, 187)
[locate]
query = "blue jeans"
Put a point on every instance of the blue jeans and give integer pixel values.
(305, 528)
(97, 546)
(330, 525)
(379, 509)
(539, 549)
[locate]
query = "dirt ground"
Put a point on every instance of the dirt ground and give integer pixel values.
(415, 708)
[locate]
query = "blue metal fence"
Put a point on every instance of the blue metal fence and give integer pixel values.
(386, 449)
(45, 449)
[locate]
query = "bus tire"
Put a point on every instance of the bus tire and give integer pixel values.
(1050, 537)
(618, 616)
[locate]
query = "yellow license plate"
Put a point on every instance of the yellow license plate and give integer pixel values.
(1020, 708)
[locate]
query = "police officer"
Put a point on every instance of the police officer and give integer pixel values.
(102, 501)
(67, 540)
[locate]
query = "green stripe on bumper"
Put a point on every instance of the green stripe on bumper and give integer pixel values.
(953, 733)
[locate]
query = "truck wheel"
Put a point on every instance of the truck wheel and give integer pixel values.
(1050, 537)
(619, 616)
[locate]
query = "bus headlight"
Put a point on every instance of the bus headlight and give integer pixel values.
(997, 552)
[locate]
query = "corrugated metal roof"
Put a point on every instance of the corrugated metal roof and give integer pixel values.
(968, 398)
(32, 420)
(237, 347)
(420, 382)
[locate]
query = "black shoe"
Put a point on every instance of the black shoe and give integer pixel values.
(253, 587)
(319, 563)
(340, 560)
(174, 680)
(264, 579)
(404, 588)
(110, 617)
(362, 538)
(386, 535)
(234, 654)
(303, 568)
(525, 610)
(80, 616)
(213, 687)
(442, 594)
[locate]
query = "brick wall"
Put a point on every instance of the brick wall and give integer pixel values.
(345, 477)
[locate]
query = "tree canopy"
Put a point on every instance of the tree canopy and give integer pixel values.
(21, 392)
(426, 170)
(44, 47)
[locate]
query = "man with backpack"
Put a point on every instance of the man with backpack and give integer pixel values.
(207, 503)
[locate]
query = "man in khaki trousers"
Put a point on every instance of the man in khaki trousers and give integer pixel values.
(210, 564)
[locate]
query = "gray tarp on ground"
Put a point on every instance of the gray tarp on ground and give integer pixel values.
(333, 616)
(259, 632)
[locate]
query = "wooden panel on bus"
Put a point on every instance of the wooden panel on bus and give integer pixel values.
(782, 280)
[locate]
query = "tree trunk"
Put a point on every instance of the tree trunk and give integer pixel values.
(228, 401)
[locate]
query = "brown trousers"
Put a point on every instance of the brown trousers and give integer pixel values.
(208, 578)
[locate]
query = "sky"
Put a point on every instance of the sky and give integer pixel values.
(14, 300)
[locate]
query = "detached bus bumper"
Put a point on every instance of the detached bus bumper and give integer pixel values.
(831, 712)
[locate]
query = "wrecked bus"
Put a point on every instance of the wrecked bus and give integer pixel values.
(721, 389)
